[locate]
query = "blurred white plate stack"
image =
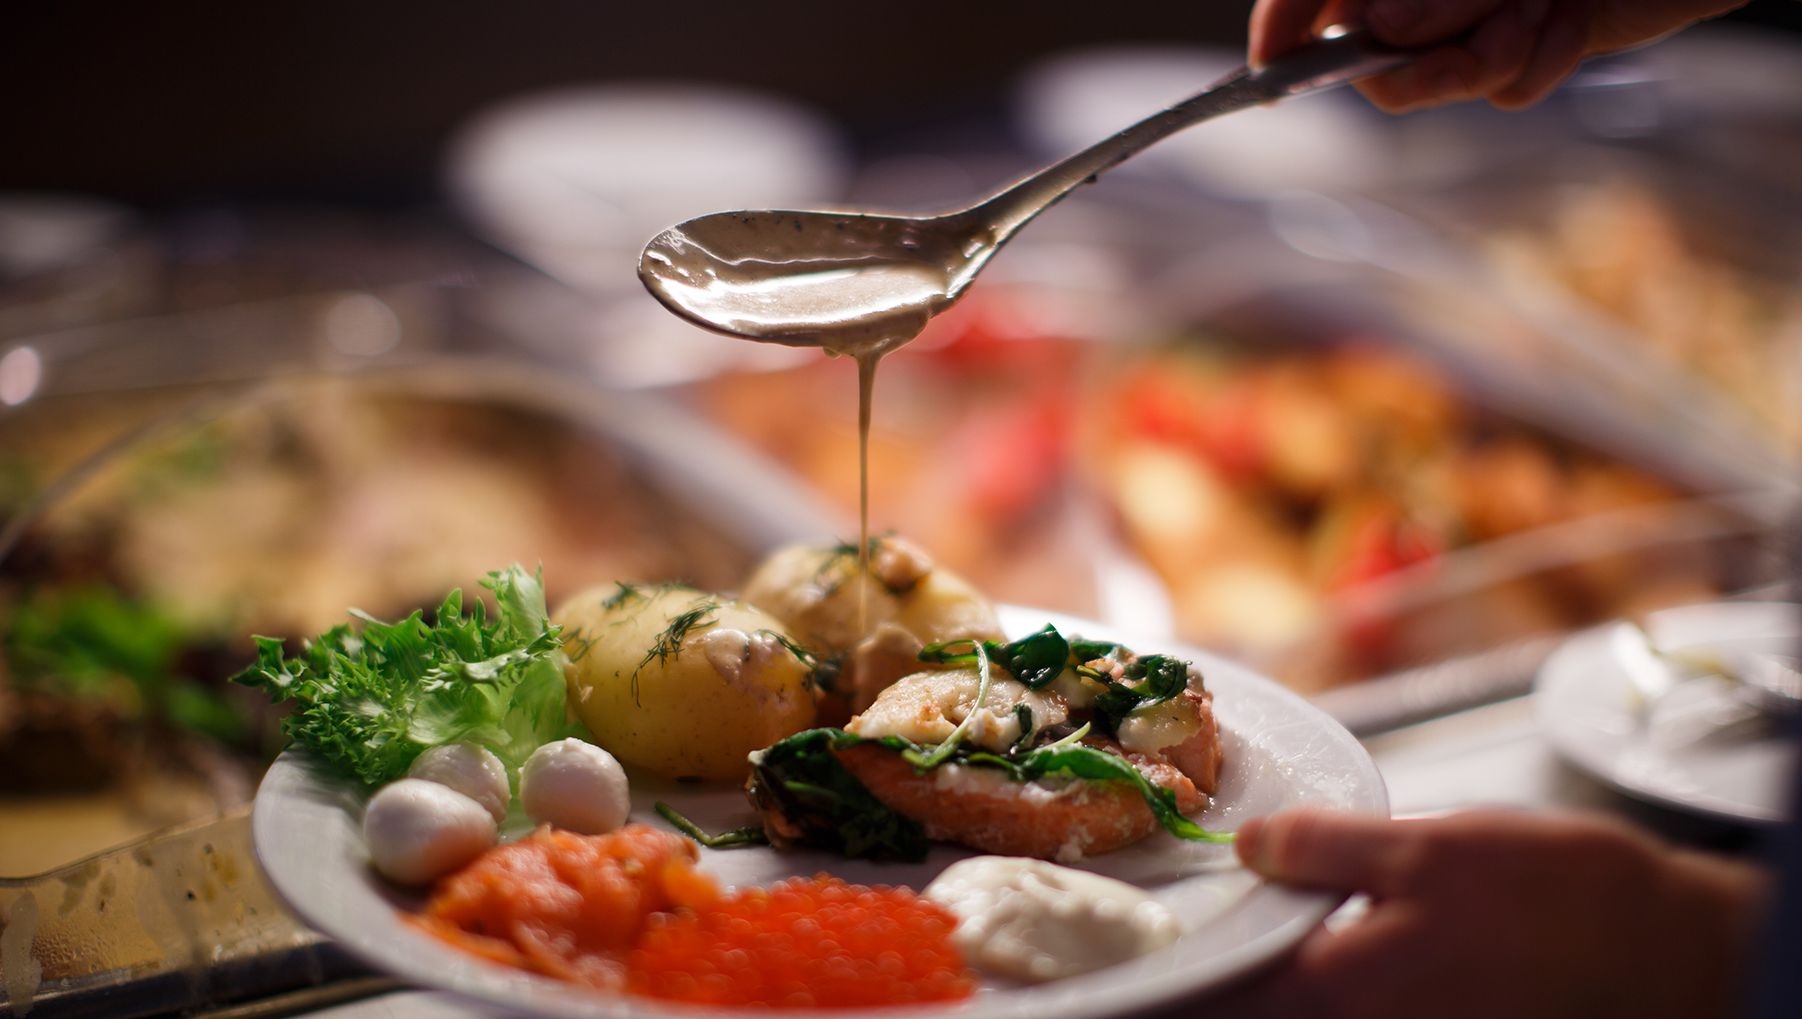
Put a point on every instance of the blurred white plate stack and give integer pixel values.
(573, 182)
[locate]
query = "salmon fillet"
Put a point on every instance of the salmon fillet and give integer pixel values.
(1051, 818)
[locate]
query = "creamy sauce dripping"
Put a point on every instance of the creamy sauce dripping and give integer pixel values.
(802, 289)
(866, 346)
(866, 389)
(867, 358)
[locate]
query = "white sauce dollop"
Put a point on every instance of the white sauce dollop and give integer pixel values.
(574, 785)
(1150, 730)
(740, 657)
(1034, 920)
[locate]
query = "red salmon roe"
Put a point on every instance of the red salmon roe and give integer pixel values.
(802, 943)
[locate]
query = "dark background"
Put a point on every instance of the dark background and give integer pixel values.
(352, 101)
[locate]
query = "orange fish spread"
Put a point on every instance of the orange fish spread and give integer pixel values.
(629, 911)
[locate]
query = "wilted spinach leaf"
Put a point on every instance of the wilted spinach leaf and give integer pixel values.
(809, 798)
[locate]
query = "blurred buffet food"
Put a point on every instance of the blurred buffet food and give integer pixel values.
(1669, 281)
(268, 514)
(1279, 489)
(130, 588)
(1272, 489)
(1337, 428)
(1693, 292)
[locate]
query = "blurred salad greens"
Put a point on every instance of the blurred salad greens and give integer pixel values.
(93, 644)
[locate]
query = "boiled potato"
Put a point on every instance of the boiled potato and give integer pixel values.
(944, 606)
(816, 592)
(680, 682)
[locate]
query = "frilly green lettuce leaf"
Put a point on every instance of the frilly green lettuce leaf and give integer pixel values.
(371, 698)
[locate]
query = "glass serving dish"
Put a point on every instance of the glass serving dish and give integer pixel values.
(179, 494)
(131, 593)
(1675, 280)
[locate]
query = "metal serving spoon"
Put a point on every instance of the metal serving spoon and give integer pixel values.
(862, 284)
(1733, 692)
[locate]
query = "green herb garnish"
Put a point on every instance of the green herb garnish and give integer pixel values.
(941, 753)
(1023, 716)
(822, 672)
(752, 836)
(1074, 737)
(623, 592)
(1038, 659)
(1035, 659)
(371, 699)
(808, 798)
(1085, 651)
(850, 550)
(668, 643)
(1148, 680)
(1080, 761)
(847, 556)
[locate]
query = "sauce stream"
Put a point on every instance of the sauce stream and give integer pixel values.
(848, 299)
(866, 388)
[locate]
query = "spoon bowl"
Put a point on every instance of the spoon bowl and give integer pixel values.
(863, 284)
(846, 281)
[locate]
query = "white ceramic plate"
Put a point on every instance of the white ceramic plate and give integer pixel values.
(1673, 755)
(1281, 751)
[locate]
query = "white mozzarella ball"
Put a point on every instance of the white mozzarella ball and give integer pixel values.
(471, 770)
(575, 785)
(419, 831)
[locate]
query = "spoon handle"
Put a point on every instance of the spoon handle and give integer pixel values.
(1323, 64)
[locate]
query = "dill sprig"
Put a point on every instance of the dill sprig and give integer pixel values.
(822, 671)
(849, 549)
(623, 592)
(669, 642)
(747, 836)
